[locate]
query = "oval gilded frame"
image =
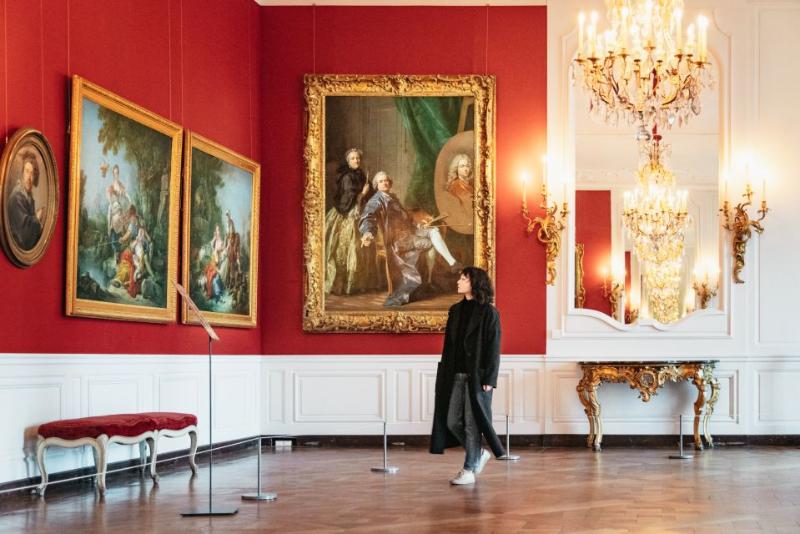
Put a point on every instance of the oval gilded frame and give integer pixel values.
(31, 140)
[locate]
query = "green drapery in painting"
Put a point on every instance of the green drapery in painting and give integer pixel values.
(431, 122)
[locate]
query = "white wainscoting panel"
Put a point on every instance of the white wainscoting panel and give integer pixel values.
(44, 388)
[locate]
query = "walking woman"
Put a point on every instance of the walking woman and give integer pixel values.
(467, 375)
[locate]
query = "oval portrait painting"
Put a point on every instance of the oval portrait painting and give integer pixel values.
(29, 196)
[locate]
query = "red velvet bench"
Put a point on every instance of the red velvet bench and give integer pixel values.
(127, 429)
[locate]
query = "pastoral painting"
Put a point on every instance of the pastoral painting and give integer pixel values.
(220, 261)
(28, 197)
(124, 201)
(402, 192)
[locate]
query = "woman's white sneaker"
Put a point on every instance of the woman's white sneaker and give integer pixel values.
(463, 477)
(485, 455)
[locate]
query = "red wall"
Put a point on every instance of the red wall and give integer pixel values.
(195, 62)
(593, 229)
(409, 40)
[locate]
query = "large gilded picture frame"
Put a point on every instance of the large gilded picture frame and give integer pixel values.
(124, 202)
(399, 197)
(221, 193)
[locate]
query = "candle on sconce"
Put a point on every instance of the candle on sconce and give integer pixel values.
(678, 29)
(702, 39)
(581, 23)
(524, 178)
(763, 190)
(544, 172)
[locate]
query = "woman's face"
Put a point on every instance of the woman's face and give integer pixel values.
(353, 160)
(464, 168)
(27, 176)
(464, 285)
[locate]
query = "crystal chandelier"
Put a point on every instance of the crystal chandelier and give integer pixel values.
(662, 283)
(642, 69)
(655, 213)
(656, 218)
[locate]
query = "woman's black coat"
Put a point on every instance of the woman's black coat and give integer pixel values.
(482, 347)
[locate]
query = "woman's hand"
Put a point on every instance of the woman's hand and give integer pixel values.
(487, 388)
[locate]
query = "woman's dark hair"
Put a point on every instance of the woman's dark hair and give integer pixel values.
(482, 289)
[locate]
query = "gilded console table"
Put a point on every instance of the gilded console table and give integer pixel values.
(647, 377)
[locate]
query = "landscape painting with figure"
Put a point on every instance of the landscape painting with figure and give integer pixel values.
(123, 218)
(402, 181)
(221, 223)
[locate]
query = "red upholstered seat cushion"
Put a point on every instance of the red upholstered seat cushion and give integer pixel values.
(171, 420)
(129, 425)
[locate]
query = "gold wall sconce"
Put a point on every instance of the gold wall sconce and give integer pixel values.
(549, 226)
(738, 222)
(705, 286)
(612, 290)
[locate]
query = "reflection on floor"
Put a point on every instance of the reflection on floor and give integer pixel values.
(549, 490)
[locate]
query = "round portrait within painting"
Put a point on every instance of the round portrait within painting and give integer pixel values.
(454, 182)
(28, 196)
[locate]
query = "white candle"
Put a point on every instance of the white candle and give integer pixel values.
(544, 171)
(524, 188)
(763, 190)
(581, 22)
(678, 28)
(702, 45)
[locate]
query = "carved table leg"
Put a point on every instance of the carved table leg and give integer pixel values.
(583, 396)
(700, 382)
(598, 423)
(710, 410)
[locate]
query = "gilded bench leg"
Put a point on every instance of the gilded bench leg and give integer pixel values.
(153, 444)
(41, 447)
(193, 451)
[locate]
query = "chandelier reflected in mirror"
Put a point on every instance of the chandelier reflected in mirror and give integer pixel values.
(643, 69)
(656, 218)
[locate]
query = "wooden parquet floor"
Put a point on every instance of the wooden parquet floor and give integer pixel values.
(725, 490)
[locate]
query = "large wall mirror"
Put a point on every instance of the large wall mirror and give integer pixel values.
(645, 273)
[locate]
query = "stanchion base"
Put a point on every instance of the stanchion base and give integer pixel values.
(259, 496)
(681, 456)
(509, 457)
(205, 512)
(387, 469)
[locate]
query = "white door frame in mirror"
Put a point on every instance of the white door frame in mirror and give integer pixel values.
(573, 331)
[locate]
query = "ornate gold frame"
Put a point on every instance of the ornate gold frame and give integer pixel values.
(317, 87)
(105, 310)
(25, 138)
(580, 291)
(199, 142)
